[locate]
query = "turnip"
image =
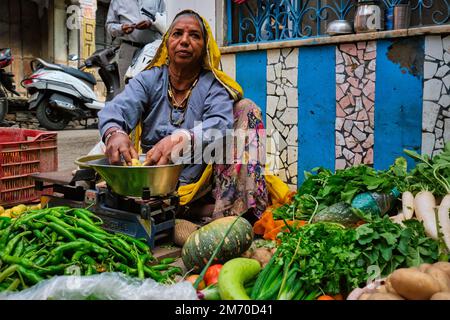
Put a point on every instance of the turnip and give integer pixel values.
(408, 204)
(425, 204)
(444, 219)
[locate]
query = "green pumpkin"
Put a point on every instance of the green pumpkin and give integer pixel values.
(200, 245)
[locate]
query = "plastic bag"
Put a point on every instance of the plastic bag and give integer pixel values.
(104, 286)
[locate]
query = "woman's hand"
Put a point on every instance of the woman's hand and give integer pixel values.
(120, 144)
(168, 148)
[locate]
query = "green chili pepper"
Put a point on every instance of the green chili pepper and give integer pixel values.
(89, 236)
(153, 274)
(62, 231)
(12, 243)
(8, 271)
(13, 286)
(167, 260)
(124, 268)
(140, 267)
(19, 248)
(160, 267)
(58, 252)
(32, 276)
(57, 221)
(141, 245)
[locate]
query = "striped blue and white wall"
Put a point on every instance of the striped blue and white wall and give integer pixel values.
(340, 105)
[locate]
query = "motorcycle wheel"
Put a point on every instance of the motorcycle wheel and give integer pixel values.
(50, 118)
(3, 105)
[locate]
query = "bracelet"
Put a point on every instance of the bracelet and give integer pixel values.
(109, 135)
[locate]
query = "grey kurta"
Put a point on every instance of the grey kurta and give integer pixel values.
(145, 97)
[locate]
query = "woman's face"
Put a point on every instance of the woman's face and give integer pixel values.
(186, 42)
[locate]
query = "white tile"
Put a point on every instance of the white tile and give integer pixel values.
(292, 155)
(293, 169)
(292, 59)
(447, 57)
(432, 90)
(283, 156)
(348, 154)
(339, 123)
(438, 133)
(429, 69)
(270, 73)
(340, 68)
(372, 65)
(340, 164)
(430, 112)
(427, 143)
(292, 97)
(229, 65)
(447, 130)
(371, 46)
(278, 70)
(445, 101)
(291, 75)
(285, 52)
(292, 138)
(339, 58)
(433, 47)
(282, 104)
(439, 143)
(340, 78)
(270, 88)
(348, 125)
(442, 71)
(279, 91)
(439, 124)
(273, 56)
(289, 116)
(359, 72)
(446, 81)
(272, 102)
(358, 134)
(340, 141)
(446, 43)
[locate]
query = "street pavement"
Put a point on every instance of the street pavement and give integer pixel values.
(73, 144)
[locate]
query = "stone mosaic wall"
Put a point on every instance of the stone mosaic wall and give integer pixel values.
(355, 96)
(436, 94)
(282, 105)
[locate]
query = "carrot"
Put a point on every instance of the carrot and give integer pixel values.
(326, 297)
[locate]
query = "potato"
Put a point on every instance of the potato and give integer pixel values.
(414, 285)
(388, 286)
(384, 296)
(365, 296)
(424, 266)
(382, 289)
(441, 277)
(263, 256)
(444, 266)
(441, 296)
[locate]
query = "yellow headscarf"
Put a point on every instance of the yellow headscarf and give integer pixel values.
(277, 188)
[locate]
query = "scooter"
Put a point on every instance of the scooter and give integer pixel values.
(6, 81)
(60, 93)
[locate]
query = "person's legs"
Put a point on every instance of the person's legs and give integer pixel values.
(240, 187)
(126, 53)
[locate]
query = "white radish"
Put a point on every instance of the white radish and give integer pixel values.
(408, 204)
(444, 219)
(425, 204)
(398, 218)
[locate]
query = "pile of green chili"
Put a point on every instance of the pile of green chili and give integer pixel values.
(44, 243)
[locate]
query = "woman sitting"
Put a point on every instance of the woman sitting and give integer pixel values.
(177, 102)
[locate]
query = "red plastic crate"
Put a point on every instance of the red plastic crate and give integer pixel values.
(22, 153)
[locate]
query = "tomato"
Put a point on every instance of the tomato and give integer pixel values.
(325, 297)
(212, 274)
(192, 278)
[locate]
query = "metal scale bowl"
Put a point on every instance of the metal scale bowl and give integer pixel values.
(139, 201)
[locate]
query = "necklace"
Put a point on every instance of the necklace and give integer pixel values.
(179, 105)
